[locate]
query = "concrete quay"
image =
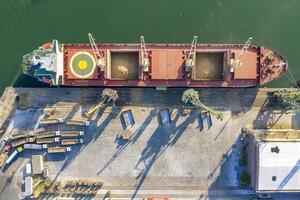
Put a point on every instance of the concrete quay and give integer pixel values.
(179, 157)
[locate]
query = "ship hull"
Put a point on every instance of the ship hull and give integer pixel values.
(76, 65)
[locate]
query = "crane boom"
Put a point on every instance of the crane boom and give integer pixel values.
(97, 54)
(235, 63)
(191, 56)
(144, 56)
(246, 46)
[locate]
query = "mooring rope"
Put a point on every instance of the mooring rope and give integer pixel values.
(16, 77)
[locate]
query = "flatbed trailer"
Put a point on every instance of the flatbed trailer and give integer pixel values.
(71, 133)
(2, 144)
(50, 121)
(77, 122)
(48, 134)
(59, 149)
(19, 142)
(22, 141)
(47, 140)
(71, 142)
(3, 157)
(19, 135)
(35, 146)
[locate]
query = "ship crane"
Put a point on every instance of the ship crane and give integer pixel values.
(236, 62)
(144, 56)
(190, 59)
(100, 59)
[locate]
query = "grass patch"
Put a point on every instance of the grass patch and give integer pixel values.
(245, 179)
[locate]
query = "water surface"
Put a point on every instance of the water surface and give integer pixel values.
(26, 24)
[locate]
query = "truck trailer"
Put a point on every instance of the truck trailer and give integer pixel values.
(72, 133)
(71, 141)
(35, 146)
(59, 149)
(13, 155)
(47, 140)
(48, 134)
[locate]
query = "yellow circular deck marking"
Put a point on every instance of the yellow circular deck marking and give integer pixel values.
(82, 64)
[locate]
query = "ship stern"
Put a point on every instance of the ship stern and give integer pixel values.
(42, 63)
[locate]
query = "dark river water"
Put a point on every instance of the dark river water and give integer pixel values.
(26, 24)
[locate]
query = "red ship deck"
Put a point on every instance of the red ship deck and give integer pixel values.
(167, 66)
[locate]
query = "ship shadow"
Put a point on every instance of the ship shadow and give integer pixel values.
(235, 100)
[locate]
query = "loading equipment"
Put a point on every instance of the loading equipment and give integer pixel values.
(144, 56)
(107, 96)
(190, 57)
(100, 58)
(191, 96)
(236, 62)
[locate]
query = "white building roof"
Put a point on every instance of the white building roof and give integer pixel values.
(28, 186)
(278, 166)
(37, 164)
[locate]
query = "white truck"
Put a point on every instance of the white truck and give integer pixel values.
(35, 146)
(13, 155)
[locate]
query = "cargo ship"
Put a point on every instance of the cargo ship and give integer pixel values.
(154, 65)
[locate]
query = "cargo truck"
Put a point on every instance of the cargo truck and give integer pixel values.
(77, 122)
(3, 157)
(22, 141)
(19, 142)
(31, 139)
(71, 141)
(47, 140)
(19, 135)
(35, 146)
(51, 121)
(59, 149)
(48, 134)
(13, 155)
(39, 130)
(2, 144)
(72, 133)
